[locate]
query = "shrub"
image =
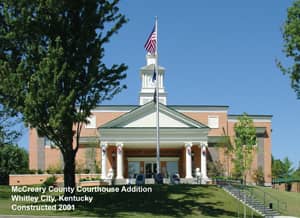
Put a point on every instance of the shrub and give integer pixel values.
(90, 179)
(258, 176)
(50, 181)
(215, 169)
(97, 167)
(13, 160)
(54, 169)
(86, 171)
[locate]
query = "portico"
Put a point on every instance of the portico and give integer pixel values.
(121, 139)
(128, 144)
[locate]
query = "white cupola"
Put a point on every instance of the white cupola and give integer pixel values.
(148, 86)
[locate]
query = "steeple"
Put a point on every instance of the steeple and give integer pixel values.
(148, 87)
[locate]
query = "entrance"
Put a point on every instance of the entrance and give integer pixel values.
(150, 169)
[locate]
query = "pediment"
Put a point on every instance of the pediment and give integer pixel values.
(150, 121)
(145, 117)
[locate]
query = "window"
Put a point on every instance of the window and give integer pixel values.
(48, 143)
(213, 122)
(133, 169)
(91, 122)
(172, 167)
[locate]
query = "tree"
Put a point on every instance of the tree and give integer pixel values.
(291, 37)
(12, 160)
(258, 176)
(8, 135)
(282, 169)
(287, 167)
(52, 69)
(296, 173)
(277, 168)
(245, 139)
(215, 169)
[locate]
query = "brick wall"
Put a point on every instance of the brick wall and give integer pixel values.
(37, 179)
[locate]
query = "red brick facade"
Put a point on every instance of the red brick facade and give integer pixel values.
(52, 155)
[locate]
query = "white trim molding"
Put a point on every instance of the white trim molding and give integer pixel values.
(152, 159)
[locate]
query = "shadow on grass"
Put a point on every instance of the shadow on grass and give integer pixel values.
(175, 201)
(164, 200)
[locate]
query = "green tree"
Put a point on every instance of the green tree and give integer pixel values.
(296, 173)
(287, 167)
(291, 37)
(282, 169)
(245, 139)
(51, 66)
(8, 135)
(215, 169)
(277, 168)
(12, 160)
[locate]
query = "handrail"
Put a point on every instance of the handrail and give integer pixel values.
(271, 198)
(274, 199)
(280, 205)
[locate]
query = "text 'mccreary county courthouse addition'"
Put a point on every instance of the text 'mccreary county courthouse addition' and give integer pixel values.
(121, 139)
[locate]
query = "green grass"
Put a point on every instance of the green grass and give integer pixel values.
(291, 199)
(164, 201)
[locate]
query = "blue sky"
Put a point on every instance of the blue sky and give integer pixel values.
(215, 53)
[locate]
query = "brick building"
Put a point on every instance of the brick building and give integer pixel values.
(122, 138)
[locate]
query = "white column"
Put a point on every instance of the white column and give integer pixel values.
(119, 160)
(203, 159)
(188, 160)
(103, 159)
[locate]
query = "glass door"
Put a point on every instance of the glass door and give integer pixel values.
(150, 169)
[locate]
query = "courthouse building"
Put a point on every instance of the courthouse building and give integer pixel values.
(122, 138)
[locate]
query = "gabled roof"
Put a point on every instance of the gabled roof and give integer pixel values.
(252, 116)
(144, 117)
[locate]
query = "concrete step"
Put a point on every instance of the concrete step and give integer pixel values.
(251, 201)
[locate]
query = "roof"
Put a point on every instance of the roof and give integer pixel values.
(186, 108)
(176, 107)
(252, 116)
(147, 109)
(285, 180)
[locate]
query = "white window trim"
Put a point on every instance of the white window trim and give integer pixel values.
(213, 116)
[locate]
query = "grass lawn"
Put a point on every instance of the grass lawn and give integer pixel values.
(164, 201)
(292, 199)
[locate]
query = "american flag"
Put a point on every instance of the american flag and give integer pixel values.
(150, 45)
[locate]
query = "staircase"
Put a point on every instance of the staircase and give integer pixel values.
(247, 198)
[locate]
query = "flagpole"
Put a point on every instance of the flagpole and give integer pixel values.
(157, 103)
